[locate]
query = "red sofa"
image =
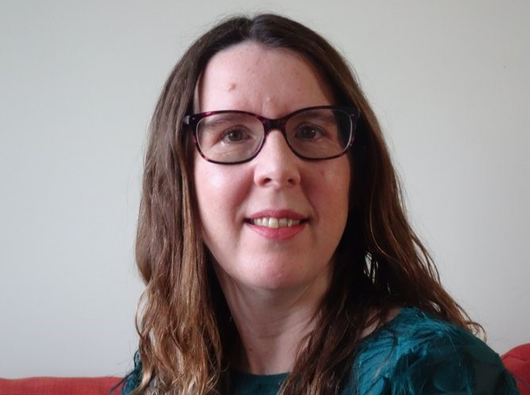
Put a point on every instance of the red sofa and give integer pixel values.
(59, 386)
(517, 361)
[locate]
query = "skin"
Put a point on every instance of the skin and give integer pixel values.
(273, 280)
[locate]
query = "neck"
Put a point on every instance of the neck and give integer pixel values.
(272, 325)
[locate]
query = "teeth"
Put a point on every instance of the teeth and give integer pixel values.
(275, 223)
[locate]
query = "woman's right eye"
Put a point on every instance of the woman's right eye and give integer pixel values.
(234, 135)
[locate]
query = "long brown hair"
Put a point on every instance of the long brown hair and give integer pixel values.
(185, 333)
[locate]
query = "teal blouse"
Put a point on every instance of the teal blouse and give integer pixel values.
(412, 354)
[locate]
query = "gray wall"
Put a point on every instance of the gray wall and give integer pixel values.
(79, 80)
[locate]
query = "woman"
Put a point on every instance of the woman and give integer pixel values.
(272, 239)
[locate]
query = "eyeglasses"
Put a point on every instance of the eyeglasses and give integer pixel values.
(313, 133)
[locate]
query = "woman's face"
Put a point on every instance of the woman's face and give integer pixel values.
(276, 185)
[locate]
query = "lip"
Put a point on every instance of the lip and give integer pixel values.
(278, 214)
(278, 234)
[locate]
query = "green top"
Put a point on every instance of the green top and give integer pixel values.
(251, 384)
(412, 354)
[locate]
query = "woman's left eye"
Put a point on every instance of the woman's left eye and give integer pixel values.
(309, 132)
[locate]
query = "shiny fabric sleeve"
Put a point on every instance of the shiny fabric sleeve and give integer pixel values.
(451, 367)
(418, 355)
(134, 378)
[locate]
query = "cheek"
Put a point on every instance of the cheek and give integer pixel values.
(219, 190)
(334, 194)
(336, 181)
(210, 188)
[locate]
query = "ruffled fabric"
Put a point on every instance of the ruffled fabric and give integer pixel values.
(416, 354)
(413, 354)
(251, 384)
(134, 378)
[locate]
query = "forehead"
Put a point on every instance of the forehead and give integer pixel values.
(249, 76)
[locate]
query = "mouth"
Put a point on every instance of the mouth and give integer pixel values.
(275, 223)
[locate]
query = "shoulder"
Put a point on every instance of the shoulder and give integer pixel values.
(133, 379)
(416, 353)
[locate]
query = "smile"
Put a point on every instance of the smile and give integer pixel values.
(274, 223)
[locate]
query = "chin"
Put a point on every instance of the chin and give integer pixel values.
(282, 280)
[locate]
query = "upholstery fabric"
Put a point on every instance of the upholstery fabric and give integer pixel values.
(517, 361)
(59, 386)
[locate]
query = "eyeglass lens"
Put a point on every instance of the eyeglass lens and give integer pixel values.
(231, 137)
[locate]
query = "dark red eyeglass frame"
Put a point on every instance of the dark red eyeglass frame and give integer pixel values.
(192, 120)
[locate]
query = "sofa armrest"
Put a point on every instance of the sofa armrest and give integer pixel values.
(517, 361)
(59, 386)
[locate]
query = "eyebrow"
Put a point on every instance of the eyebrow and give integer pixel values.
(218, 119)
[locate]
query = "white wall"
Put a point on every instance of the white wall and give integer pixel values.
(79, 80)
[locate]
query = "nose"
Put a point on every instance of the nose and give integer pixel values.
(276, 165)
